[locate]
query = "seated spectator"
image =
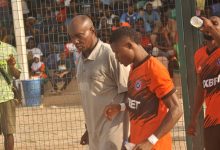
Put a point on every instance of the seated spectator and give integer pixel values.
(38, 68)
(130, 16)
(104, 30)
(163, 40)
(32, 50)
(151, 17)
(63, 74)
(29, 27)
(38, 71)
(145, 41)
(143, 27)
(31, 47)
(166, 29)
(115, 23)
(52, 59)
(71, 53)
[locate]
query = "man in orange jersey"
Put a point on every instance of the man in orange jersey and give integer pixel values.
(152, 103)
(207, 65)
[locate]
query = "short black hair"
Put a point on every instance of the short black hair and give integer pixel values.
(125, 32)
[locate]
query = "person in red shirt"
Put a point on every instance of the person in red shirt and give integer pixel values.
(207, 66)
(152, 103)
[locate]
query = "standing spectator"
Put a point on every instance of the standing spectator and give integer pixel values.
(7, 104)
(102, 80)
(130, 16)
(207, 62)
(152, 102)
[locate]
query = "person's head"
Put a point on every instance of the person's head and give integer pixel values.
(103, 22)
(62, 56)
(130, 10)
(210, 42)
(125, 42)
(116, 21)
(164, 19)
(140, 22)
(141, 12)
(31, 43)
(36, 58)
(149, 8)
(208, 11)
(82, 33)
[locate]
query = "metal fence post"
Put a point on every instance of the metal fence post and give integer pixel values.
(188, 43)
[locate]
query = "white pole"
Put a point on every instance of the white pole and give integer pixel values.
(20, 37)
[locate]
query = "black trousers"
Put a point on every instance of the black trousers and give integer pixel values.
(212, 138)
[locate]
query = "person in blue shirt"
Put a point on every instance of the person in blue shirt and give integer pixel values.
(130, 16)
(151, 16)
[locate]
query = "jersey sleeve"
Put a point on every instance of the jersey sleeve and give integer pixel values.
(161, 83)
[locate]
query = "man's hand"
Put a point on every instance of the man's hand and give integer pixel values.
(191, 130)
(85, 138)
(11, 66)
(111, 110)
(11, 61)
(143, 146)
(207, 25)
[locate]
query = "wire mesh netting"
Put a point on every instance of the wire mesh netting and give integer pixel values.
(51, 116)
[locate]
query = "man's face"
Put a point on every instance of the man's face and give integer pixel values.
(123, 52)
(81, 37)
(130, 10)
(149, 8)
(216, 22)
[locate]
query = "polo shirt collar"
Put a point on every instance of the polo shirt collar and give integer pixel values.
(95, 51)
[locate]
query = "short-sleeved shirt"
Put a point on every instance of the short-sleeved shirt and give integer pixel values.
(36, 51)
(102, 80)
(6, 93)
(148, 84)
(208, 68)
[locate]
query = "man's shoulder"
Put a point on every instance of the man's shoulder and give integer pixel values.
(6, 46)
(200, 52)
(106, 49)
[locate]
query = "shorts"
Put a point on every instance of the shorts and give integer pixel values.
(212, 137)
(7, 117)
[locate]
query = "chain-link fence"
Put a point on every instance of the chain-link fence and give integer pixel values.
(54, 118)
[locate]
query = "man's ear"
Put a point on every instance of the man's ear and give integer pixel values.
(129, 45)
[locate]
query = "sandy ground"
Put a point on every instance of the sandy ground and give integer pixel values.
(60, 127)
(56, 128)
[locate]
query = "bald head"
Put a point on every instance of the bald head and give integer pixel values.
(82, 33)
(81, 22)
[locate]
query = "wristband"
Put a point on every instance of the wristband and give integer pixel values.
(123, 106)
(152, 139)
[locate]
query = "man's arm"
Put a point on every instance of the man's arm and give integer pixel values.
(199, 99)
(171, 118)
